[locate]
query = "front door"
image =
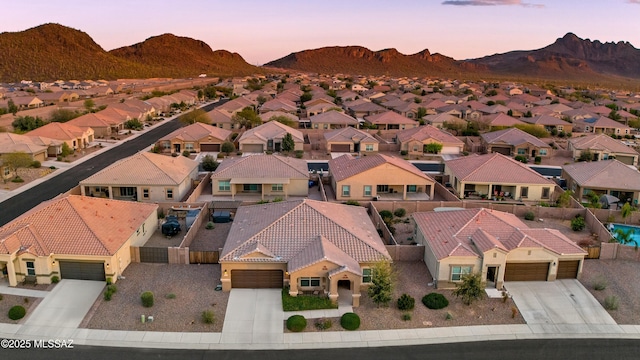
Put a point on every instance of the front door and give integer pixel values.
(533, 153)
(492, 272)
(176, 147)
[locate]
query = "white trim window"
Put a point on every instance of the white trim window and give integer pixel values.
(169, 193)
(367, 190)
(224, 185)
(346, 190)
(309, 282)
(368, 147)
(277, 187)
(367, 275)
(458, 271)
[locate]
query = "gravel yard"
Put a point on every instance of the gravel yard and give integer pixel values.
(622, 279)
(9, 301)
(210, 240)
(192, 285)
(28, 175)
(582, 237)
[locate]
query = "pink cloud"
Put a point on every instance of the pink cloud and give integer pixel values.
(496, 3)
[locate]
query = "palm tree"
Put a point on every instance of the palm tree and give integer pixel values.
(625, 237)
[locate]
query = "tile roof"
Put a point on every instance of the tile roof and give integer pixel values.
(217, 116)
(75, 225)
(268, 115)
(494, 168)
(513, 137)
(425, 132)
(144, 168)
(367, 106)
(346, 166)
(601, 142)
(262, 166)
(322, 249)
(607, 174)
(279, 104)
(59, 131)
(389, 117)
(197, 132)
(501, 119)
(10, 142)
(472, 232)
(333, 117)
(272, 130)
(349, 134)
(545, 120)
(295, 228)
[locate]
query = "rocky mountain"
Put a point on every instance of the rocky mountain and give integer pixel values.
(52, 51)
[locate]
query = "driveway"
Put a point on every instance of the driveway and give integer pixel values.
(66, 305)
(557, 302)
(253, 316)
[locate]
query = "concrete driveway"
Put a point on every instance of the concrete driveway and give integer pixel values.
(557, 302)
(67, 304)
(253, 316)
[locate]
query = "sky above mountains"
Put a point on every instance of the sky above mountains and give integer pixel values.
(262, 31)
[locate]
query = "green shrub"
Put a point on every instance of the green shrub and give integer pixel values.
(611, 302)
(403, 152)
(210, 225)
(17, 179)
(109, 281)
(17, 312)
(107, 295)
(220, 155)
(600, 284)
(59, 158)
(112, 288)
(529, 215)
(577, 223)
(323, 324)
(352, 203)
(386, 214)
(36, 164)
(406, 317)
(400, 212)
(299, 154)
(208, 317)
(52, 167)
(55, 279)
(1, 297)
(448, 316)
(186, 153)
(435, 301)
(406, 302)
(278, 199)
(147, 299)
(350, 321)
(296, 323)
(537, 160)
(521, 158)
(170, 296)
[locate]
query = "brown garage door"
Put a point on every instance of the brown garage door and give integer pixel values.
(82, 270)
(568, 269)
(340, 148)
(501, 150)
(252, 148)
(256, 279)
(209, 147)
(526, 271)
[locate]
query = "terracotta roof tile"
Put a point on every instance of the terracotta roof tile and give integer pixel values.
(262, 166)
(197, 132)
(333, 117)
(608, 174)
(426, 132)
(349, 134)
(513, 137)
(389, 117)
(494, 168)
(601, 142)
(272, 130)
(346, 166)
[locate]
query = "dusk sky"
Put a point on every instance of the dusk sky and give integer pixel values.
(265, 30)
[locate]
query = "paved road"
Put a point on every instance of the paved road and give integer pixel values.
(490, 350)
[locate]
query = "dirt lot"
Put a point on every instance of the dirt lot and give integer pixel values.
(582, 237)
(9, 301)
(192, 285)
(413, 279)
(622, 279)
(28, 175)
(210, 240)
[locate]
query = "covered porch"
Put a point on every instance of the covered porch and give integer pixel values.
(274, 187)
(404, 192)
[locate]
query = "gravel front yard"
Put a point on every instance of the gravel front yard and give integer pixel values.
(192, 285)
(622, 279)
(9, 301)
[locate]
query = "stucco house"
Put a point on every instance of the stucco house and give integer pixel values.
(603, 147)
(390, 120)
(75, 137)
(513, 141)
(497, 245)
(36, 147)
(350, 140)
(268, 137)
(378, 176)
(602, 125)
(610, 177)
(74, 237)
(264, 175)
(497, 176)
(413, 141)
(311, 246)
(549, 123)
(197, 137)
(332, 120)
(145, 177)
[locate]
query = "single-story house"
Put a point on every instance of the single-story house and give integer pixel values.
(415, 140)
(75, 137)
(311, 246)
(332, 120)
(607, 177)
(513, 142)
(11, 143)
(603, 147)
(390, 120)
(602, 125)
(549, 123)
(378, 176)
(197, 137)
(364, 108)
(74, 237)
(269, 175)
(350, 140)
(441, 120)
(497, 245)
(268, 137)
(221, 119)
(497, 176)
(145, 177)
(272, 114)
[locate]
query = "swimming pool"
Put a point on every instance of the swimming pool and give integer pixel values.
(634, 236)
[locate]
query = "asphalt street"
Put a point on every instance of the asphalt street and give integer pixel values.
(548, 349)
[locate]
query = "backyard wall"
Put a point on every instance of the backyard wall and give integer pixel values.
(406, 252)
(387, 237)
(206, 181)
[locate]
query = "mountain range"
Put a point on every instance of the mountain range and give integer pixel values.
(52, 51)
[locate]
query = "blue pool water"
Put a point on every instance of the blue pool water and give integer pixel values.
(635, 236)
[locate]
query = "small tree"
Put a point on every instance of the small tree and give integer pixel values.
(283, 120)
(247, 118)
(17, 160)
(585, 155)
(470, 289)
(227, 147)
(626, 211)
(192, 117)
(209, 163)
(89, 104)
(381, 289)
(11, 107)
(432, 148)
(287, 143)
(564, 201)
(66, 150)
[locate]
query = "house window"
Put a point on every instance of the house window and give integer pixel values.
(310, 282)
(224, 185)
(315, 126)
(127, 191)
(367, 190)
(367, 275)
(543, 152)
(524, 192)
(412, 188)
(169, 193)
(382, 188)
(31, 268)
(145, 193)
(346, 190)
(415, 148)
(276, 187)
(522, 151)
(545, 192)
(188, 147)
(458, 271)
(326, 126)
(166, 145)
(368, 147)
(250, 187)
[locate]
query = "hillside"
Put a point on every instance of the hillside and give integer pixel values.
(52, 51)
(360, 60)
(179, 56)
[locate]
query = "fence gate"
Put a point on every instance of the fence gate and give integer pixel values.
(154, 254)
(203, 257)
